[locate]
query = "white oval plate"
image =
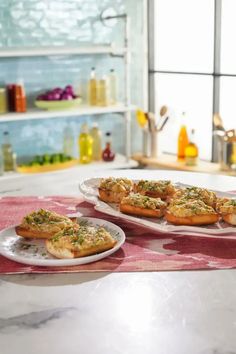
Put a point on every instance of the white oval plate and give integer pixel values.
(89, 190)
(33, 251)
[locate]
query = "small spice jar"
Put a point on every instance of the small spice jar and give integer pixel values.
(3, 100)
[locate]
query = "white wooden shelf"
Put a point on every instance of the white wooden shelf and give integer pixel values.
(79, 111)
(120, 162)
(61, 50)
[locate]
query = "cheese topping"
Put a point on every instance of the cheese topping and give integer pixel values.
(116, 184)
(196, 193)
(83, 237)
(45, 220)
(156, 186)
(228, 206)
(185, 208)
(143, 201)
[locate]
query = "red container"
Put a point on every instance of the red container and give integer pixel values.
(20, 99)
(11, 97)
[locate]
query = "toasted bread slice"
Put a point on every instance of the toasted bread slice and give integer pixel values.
(42, 224)
(112, 190)
(155, 189)
(190, 212)
(229, 218)
(204, 219)
(140, 205)
(134, 210)
(30, 233)
(227, 208)
(220, 203)
(153, 194)
(197, 193)
(74, 242)
(110, 196)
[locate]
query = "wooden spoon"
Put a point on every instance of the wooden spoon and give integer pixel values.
(218, 121)
(164, 118)
(163, 110)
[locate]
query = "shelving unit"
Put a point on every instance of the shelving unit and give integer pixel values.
(62, 50)
(75, 112)
(109, 49)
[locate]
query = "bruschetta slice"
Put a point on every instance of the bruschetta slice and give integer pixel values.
(190, 212)
(141, 205)
(197, 193)
(112, 190)
(42, 224)
(156, 189)
(75, 242)
(227, 209)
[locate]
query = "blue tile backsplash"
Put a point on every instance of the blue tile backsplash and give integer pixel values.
(35, 23)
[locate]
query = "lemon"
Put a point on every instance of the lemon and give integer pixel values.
(141, 118)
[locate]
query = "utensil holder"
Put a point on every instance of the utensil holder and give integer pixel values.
(226, 154)
(153, 135)
(146, 143)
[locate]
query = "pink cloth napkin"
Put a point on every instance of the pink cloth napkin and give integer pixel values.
(144, 250)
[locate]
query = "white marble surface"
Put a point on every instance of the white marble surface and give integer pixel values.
(110, 313)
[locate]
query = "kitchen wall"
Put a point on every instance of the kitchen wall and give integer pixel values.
(25, 23)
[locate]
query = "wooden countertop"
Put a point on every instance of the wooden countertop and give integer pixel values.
(171, 162)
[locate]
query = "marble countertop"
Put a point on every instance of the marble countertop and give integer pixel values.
(110, 313)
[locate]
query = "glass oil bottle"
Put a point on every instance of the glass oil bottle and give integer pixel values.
(92, 88)
(191, 151)
(85, 143)
(96, 134)
(9, 158)
(182, 139)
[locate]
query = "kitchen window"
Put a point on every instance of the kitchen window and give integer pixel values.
(192, 67)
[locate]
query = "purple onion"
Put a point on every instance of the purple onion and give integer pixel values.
(53, 96)
(69, 88)
(57, 96)
(66, 96)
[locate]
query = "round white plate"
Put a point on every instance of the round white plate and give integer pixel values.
(33, 251)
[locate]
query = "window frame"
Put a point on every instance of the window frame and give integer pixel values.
(216, 74)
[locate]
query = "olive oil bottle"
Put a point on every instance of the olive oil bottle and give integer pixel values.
(102, 92)
(93, 88)
(191, 151)
(182, 139)
(9, 158)
(96, 134)
(85, 145)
